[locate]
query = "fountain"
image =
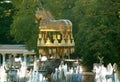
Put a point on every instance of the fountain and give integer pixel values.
(105, 74)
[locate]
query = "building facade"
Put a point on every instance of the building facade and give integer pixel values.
(14, 53)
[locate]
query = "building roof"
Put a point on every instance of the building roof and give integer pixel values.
(15, 48)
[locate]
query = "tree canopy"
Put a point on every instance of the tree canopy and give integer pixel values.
(24, 28)
(6, 19)
(98, 30)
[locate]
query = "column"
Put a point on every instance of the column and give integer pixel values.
(25, 58)
(0, 60)
(13, 59)
(10, 61)
(3, 58)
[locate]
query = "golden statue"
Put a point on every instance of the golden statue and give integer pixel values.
(55, 36)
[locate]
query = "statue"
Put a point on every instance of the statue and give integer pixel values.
(48, 23)
(54, 33)
(106, 74)
(101, 60)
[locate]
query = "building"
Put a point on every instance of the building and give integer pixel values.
(15, 52)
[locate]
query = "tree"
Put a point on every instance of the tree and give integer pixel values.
(98, 24)
(6, 14)
(24, 28)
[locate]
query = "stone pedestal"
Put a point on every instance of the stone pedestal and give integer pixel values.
(88, 77)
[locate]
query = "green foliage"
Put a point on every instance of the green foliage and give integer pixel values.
(24, 28)
(97, 32)
(6, 14)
